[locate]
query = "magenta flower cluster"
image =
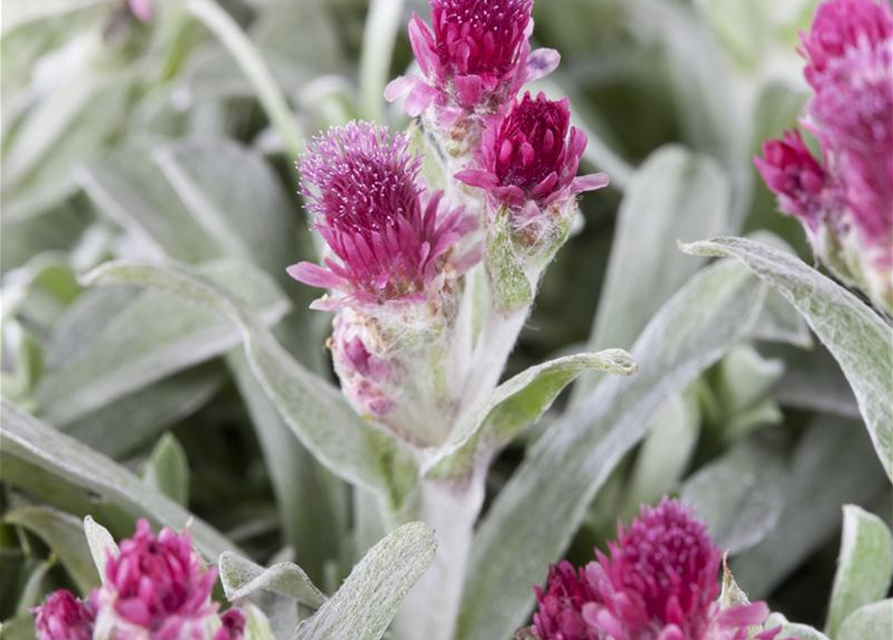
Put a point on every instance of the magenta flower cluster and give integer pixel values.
(156, 588)
(658, 582)
(848, 192)
(390, 238)
(473, 61)
(529, 159)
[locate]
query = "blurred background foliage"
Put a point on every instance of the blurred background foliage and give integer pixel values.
(175, 137)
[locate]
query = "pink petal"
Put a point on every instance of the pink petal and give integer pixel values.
(399, 87)
(469, 90)
(313, 275)
(540, 63)
(419, 98)
(590, 182)
(422, 42)
(477, 178)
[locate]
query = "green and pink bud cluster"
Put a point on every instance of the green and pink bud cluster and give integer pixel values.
(844, 198)
(155, 588)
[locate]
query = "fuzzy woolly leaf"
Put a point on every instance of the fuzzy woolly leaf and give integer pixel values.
(101, 544)
(134, 348)
(517, 403)
(871, 621)
(167, 470)
(316, 411)
(865, 566)
(535, 516)
(792, 629)
(366, 603)
(29, 443)
(241, 577)
(855, 335)
(740, 496)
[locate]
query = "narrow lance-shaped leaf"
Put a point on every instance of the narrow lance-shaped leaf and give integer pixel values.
(517, 403)
(855, 335)
(101, 543)
(63, 534)
(366, 603)
(865, 566)
(167, 469)
(154, 336)
(29, 444)
(241, 578)
(535, 516)
(315, 411)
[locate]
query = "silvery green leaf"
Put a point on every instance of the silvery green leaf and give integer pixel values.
(516, 404)
(870, 621)
(792, 629)
(241, 577)
(854, 334)
(62, 533)
(536, 514)
(812, 380)
(29, 444)
(829, 467)
(131, 190)
(675, 194)
(383, 23)
(101, 543)
(306, 494)
(740, 495)
(167, 470)
(156, 335)
(316, 412)
(36, 586)
(780, 322)
(257, 626)
(510, 285)
(23, 12)
(864, 568)
(366, 603)
(147, 412)
(19, 628)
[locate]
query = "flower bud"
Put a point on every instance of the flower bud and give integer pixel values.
(846, 201)
(232, 625)
(527, 166)
(156, 589)
(63, 617)
(473, 61)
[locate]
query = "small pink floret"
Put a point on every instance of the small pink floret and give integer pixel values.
(62, 616)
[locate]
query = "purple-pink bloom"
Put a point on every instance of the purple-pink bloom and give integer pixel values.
(474, 60)
(159, 585)
(559, 614)
(528, 160)
(390, 238)
(62, 616)
(658, 582)
(790, 171)
(232, 625)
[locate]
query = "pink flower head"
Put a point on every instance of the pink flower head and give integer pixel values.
(660, 583)
(62, 616)
(158, 584)
(790, 171)
(389, 238)
(475, 59)
(559, 607)
(849, 53)
(364, 376)
(232, 625)
(529, 159)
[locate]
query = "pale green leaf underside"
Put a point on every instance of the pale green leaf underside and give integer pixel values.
(101, 543)
(316, 411)
(855, 335)
(793, 630)
(517, 403)
(28, 441)
(241, 577)
(536, 514)
(864, 568)
(871, 621)
(366, 603)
